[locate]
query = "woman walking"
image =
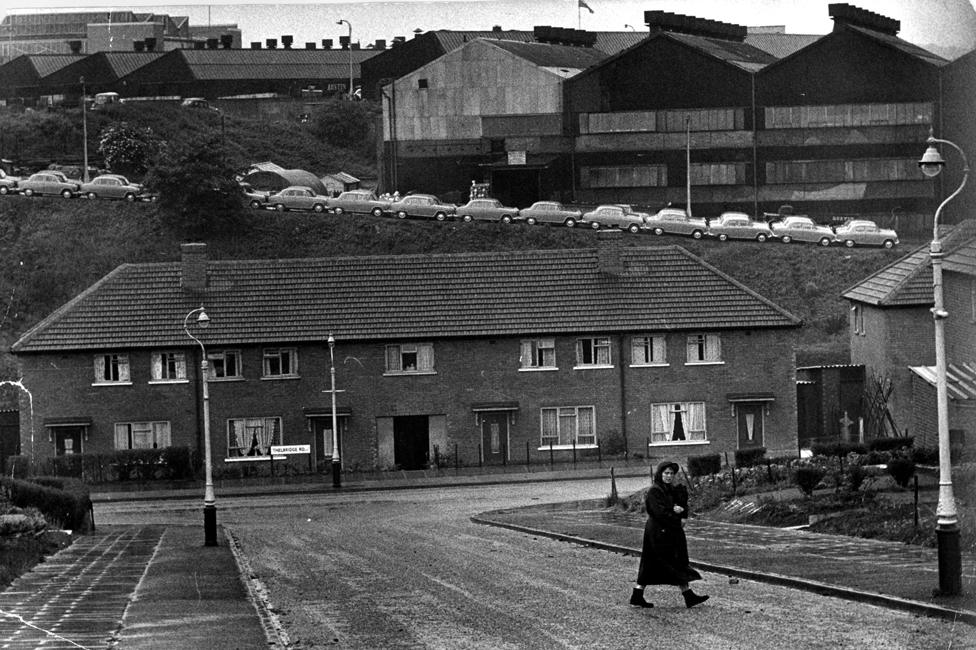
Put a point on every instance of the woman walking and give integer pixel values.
(664, 553)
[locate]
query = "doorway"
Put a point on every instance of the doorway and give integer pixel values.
(494, 437)
(411, 441)
(749, 420)
(67, 440)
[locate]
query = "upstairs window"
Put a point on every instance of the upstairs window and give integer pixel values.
(280, 362)
(410, 358)
(112, 369)
(648, 351)
(168, 367)
(538, 354)
(593, 352)
(704, 348)
(225, 364)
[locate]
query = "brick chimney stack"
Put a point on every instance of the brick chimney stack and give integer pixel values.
(608, 244)
(193, 269)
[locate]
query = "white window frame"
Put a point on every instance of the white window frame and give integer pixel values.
(270, 355)
(117, 365)
(219, 358)
(648, 351)
(559, 427)
(143, 435)
(694, 423)
(593, 346)
(410, 359)
(242, 433)
(703, 349)
(535, 354)
(168, 367)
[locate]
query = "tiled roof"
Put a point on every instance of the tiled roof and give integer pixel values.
(46, 64)
(606, 42)
(123, 63)
(962, 260)
(900, 45)
(743, 55)
(407, 297)
(908, 281)
(546, 55)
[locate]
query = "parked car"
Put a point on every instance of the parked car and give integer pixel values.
(8, 184)
(613, 216)
(50, 182)
(551, 212)
(255, 198)
(422, 205)
(113, 186)
(675, 221)
(360, 202)
(196, 102)
(861, 232)
(298, 197)
(487, 210)
(802, 229)
(738, 225)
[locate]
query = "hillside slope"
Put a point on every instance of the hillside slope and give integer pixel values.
(52, 249)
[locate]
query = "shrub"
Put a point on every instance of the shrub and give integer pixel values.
(177, 462)
(925, 455)
(902, 470)
(704, 465)
(749, 457)
(890, 444)
(66, 501)
(808, 478)
(855, 477)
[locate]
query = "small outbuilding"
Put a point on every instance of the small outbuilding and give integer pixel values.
(340, 182)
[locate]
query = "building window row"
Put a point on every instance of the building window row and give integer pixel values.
(409, 358)
(594, 177)
(664, 121)
(848, 115)
(842, 171)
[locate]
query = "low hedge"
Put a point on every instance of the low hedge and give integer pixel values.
(839, 449)
(168, 463)
(749, 457)
(704, 465)
(890, 444)
(64, 502)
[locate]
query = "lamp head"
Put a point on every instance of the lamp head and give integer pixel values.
(331, 339)
(203, 320)
(932, 162)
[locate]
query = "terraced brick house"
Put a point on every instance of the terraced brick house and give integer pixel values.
(503, 357)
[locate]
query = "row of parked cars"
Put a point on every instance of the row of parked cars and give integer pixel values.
(54, 183)
(675, 221)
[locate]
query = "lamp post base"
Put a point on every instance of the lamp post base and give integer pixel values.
(950, 560)
(210, 525)
(336, 474)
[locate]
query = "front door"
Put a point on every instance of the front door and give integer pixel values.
(67, 440)
(749, 418)
(494, 437)
(411, 442)
(322, 433)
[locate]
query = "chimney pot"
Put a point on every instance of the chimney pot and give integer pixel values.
(255, 45)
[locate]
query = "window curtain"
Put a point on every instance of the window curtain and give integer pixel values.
(660, 422)
(695, 424)
(266, 432)
(161, 434)
(602, 351)
(713, 347)
(180, 365)
(526, 359)
(121, 436)
(639, 350)
(586, 435)
(123, 361)
(239, 432)
(547, 356)
(157, 365)
(425, 357)
(100, 368)
(567, 426)
(393, 358)
(550, 427)
(659, 351)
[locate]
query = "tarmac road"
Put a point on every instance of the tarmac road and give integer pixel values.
(408, 569)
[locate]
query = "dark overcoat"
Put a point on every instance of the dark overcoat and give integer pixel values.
(664, 552)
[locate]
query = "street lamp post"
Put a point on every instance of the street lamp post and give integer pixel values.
(947, 522)
(336, 460)
(349, 25)
(209, 502)
(84, 130)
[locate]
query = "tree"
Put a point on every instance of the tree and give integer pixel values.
(128, 149)
(198, 194)
(347, 124)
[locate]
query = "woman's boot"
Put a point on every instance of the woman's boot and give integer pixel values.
(637, 598)
(692, 599)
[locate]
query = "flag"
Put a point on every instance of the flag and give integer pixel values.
(583, 5)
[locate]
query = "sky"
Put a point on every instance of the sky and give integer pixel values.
(949, 23)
